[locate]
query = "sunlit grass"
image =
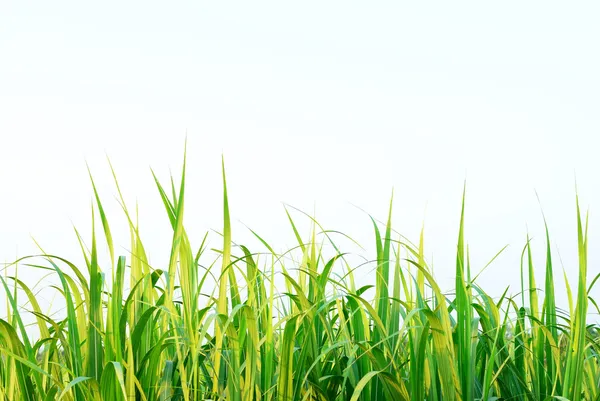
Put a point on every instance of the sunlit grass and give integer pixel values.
(213, 324)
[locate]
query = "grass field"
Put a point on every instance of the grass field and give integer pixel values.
(213, 324)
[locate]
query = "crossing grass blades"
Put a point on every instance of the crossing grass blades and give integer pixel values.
(214, 325)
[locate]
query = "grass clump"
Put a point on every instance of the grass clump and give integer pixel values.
(135, 332)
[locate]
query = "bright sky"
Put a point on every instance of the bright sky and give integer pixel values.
(320, 105)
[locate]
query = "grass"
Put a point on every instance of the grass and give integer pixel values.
(220, 328)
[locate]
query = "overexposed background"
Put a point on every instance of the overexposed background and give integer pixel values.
(322, 105)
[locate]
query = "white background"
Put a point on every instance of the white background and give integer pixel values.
(322, 105)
